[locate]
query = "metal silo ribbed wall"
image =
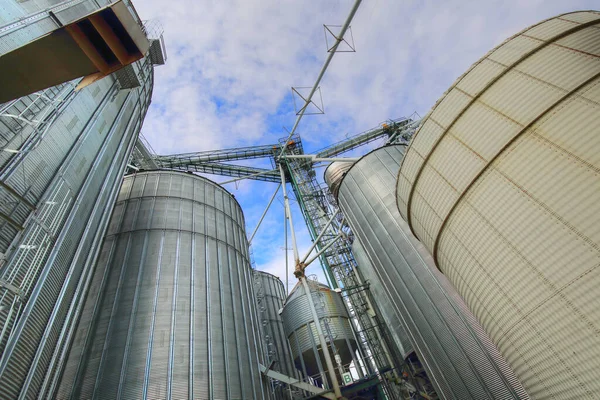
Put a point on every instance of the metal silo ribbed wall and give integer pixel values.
(62, 188)
(460, 360)
(171, 313)
(301, 332)
(335, 173)
(502, 185)
(269, 292)
(385, 306)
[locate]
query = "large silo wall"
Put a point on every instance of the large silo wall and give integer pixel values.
(59, 186)
(460, 360)
(502, 184)
(395, 328)
(171, 312)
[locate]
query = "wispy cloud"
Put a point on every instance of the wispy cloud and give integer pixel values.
(231, 65)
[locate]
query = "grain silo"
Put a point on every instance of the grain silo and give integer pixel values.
(460, 360)
(334, 173)
(171, 313)
(302, 334)
(369, 275)
(269, 293)
(65, 152)
(409, 370)
(502, 185)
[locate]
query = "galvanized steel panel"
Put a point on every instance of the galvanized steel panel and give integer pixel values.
(29, 173)
(334, 174)
(71, 176)
(176, 317)
(459, 358)
(299, 326)
(522, 235)
(269, 292)
(393, 322)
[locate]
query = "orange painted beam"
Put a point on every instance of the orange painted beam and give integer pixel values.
(111, 39)
(87, 47)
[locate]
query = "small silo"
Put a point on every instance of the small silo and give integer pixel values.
(334, 173)
(170, 313)
(502, 185)
(269, 292)
(302, 335)
(460, 359)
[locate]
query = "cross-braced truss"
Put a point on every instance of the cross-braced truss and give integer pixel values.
(219, 162)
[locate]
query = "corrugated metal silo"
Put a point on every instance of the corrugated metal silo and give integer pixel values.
(67, 154)
(269, 292)
(335, 173)
(502, 184)
(384, 302)
(171, 313)
(301, 332)
(460, 359)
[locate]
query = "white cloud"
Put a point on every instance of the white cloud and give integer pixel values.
(231, 65)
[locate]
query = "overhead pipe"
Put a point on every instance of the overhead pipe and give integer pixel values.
(338, 40)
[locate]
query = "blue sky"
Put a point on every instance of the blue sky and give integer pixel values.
(231, 65)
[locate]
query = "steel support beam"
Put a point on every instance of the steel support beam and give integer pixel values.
(338, 40)
(295, 382)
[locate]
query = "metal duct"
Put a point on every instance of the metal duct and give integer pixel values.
(459, 358)
(171, 313)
